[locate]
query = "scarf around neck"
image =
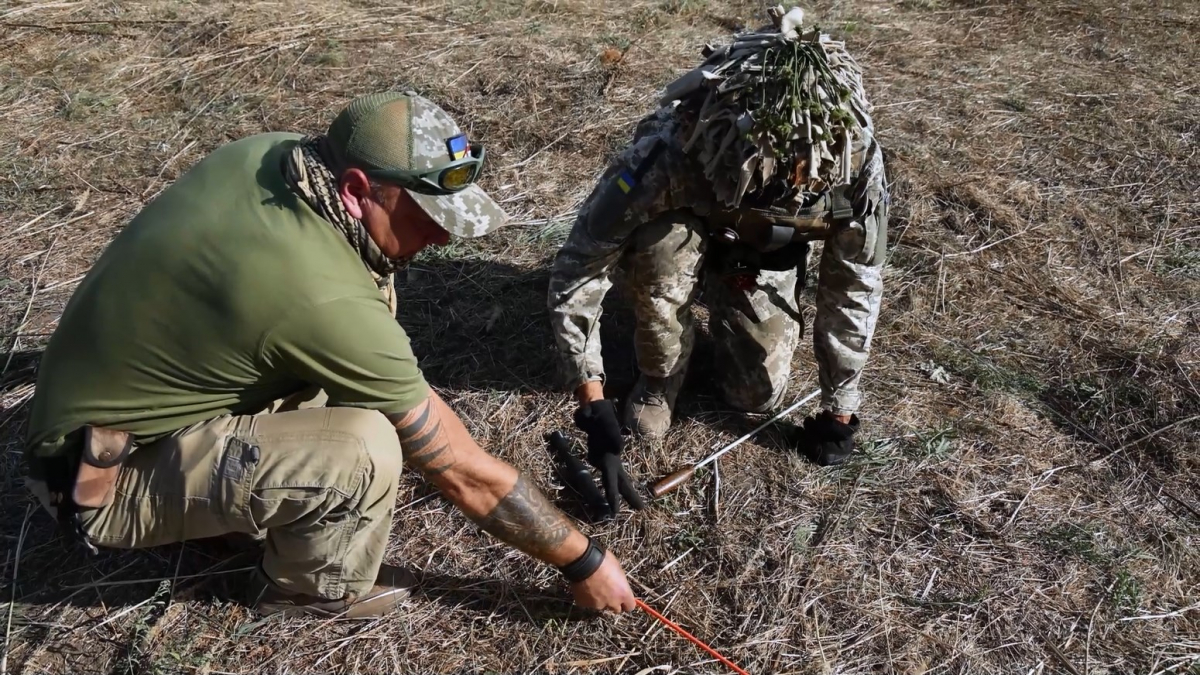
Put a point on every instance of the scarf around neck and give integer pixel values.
(306, 171)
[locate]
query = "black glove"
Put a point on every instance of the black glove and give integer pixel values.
(598, 420)
(827, 441)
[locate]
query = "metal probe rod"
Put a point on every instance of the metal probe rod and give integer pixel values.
(783, 413)
(681, 476)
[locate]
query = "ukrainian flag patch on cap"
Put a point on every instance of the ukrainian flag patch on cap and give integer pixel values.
(458, 146)
(625, 181)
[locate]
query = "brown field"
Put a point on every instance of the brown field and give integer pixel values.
(1031, 507)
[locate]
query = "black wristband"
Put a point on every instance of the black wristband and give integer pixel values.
(585, 565)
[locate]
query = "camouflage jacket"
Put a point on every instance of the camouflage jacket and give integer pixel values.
(850, 280)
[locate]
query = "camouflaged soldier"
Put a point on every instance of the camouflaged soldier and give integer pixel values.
(720, 193)
(229, 366)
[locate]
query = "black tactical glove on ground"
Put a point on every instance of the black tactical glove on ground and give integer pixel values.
(598, 420)
(827, 441)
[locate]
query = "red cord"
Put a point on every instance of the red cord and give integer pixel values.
(696, 641)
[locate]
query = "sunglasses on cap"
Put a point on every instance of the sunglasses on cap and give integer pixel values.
(456, 176)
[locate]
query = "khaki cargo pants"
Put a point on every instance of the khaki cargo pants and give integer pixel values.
(319, 483)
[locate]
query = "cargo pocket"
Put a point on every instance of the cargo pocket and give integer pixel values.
(873, 214)
(233, 483)
(849, 242)
(881, 228)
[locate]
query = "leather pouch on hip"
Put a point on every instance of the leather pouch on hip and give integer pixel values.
(104, 451)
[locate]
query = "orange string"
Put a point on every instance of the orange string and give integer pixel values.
(696, 641)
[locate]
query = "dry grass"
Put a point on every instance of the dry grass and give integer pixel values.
(1039, 513)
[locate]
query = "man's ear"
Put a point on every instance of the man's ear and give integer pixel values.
(354, 188)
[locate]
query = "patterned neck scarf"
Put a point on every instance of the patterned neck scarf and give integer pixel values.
(307, 172)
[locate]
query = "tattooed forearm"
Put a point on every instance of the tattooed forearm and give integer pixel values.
(487, 490)
(527, 520)
(425, 444)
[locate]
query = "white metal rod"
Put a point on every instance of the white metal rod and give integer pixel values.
(713, 457)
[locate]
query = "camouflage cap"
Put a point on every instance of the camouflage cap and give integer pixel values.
(393, 130)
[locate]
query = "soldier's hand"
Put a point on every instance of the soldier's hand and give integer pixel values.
(827, 440)
(606, 590)
(598, 420)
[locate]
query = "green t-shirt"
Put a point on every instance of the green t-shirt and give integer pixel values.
(227, 292)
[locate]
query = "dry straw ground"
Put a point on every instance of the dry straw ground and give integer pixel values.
(1028, 498)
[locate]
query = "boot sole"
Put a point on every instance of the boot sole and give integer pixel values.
(288, 610)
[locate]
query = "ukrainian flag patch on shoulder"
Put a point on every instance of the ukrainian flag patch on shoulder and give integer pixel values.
(625, 181)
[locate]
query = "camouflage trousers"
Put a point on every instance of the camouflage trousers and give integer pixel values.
(754, 331)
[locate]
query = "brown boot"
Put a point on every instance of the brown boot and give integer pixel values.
(391, 588)
(648, 412)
